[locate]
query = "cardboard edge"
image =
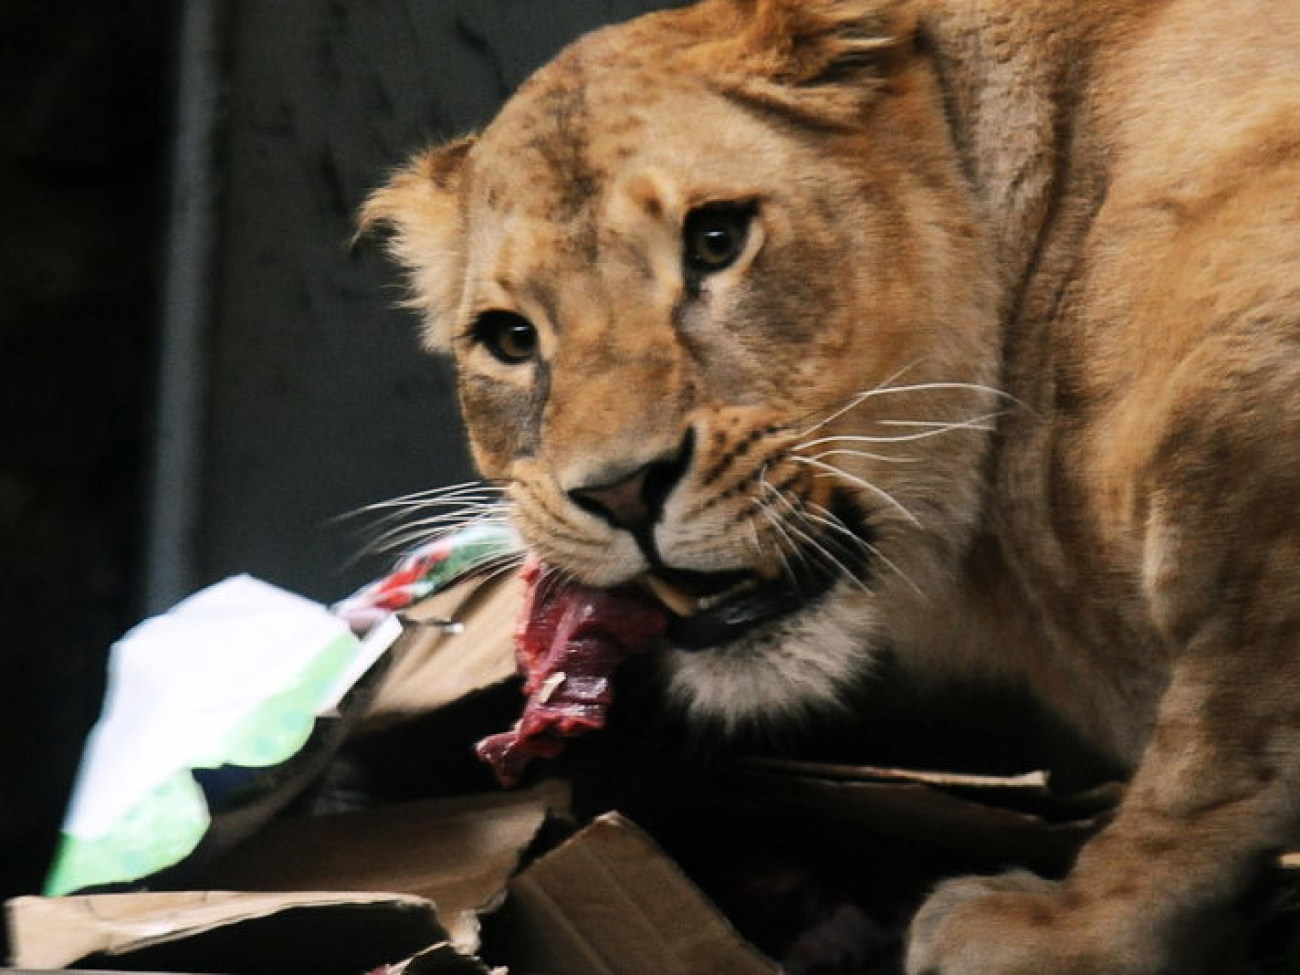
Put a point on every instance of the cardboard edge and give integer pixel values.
(609, 900)
(54, 932)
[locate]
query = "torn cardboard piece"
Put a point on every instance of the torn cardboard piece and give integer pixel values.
(609, 902)
(1013, 820)
(458, 853)
(433, 665)
(806, 860)
(1007, 819)
(606, 901)
(214, 931)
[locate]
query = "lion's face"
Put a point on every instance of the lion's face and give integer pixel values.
(727, 341)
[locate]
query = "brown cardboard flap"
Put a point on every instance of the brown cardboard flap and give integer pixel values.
(608, 902)
(1012, 820)
(458, 853)
(54, 932)
(918, 812)
(433, 666)
(1034, 782)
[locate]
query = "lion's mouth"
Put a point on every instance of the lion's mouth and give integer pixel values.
(711, 609)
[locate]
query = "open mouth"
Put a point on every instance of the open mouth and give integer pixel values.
(709, 609)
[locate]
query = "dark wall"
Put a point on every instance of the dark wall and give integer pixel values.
(316, 398)
(84, 124)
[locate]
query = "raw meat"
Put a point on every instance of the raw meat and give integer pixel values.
(570, 640)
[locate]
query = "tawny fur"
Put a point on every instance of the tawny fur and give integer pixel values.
(1063, 238)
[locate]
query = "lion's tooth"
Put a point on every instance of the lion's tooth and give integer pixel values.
(744, 586)
(673, 598)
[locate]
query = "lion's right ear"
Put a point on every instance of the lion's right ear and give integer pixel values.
(823, 59)
(421, 207)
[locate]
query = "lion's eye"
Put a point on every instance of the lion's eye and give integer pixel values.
(714, 235)
(510, 338)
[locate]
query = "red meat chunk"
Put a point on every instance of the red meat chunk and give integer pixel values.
(569, 641)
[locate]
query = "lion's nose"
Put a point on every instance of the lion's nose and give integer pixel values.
(635, 500)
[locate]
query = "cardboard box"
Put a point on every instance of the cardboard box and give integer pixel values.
(458, 853)
(608, 901)
(604, 901)
(312, 933)
(466, 882)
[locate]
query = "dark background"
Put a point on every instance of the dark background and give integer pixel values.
(306, 394)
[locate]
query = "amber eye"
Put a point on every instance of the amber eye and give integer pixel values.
(510, 338)
(714, 235)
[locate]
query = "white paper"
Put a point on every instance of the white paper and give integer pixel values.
(181, 682)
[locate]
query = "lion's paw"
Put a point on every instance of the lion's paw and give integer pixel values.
(1004, 925)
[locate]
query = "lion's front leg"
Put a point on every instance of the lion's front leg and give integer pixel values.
(1214, 795)
(985, 924)
(1019, 924)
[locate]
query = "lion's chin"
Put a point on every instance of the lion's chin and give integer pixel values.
(777, 670)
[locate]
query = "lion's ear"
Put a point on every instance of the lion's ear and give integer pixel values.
(818, 57)
(420, 205)
(812, 42)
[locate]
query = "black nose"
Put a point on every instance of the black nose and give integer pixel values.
(635, 500)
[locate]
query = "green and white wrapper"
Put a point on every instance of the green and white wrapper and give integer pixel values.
(235, 675)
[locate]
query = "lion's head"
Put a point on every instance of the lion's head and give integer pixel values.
(716, 295)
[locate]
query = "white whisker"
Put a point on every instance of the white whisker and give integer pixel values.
(934, 423)
(833, 522)
(814, 544)
(447, 508)
(885, 389)
(464, 516)
(759, 551)
(507, 563)
(932, 430)
(823, 516)
(780, 536)
(552, 578)
(830, 470)
(857, 399)
(405, 535)
(402, 544)
(452, 494)
(421, 517)
(865, 455)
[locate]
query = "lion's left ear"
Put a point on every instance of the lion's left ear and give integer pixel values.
(420, 205)
(825, 41)
(816, 55)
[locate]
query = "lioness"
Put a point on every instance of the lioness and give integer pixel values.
(966, 331)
